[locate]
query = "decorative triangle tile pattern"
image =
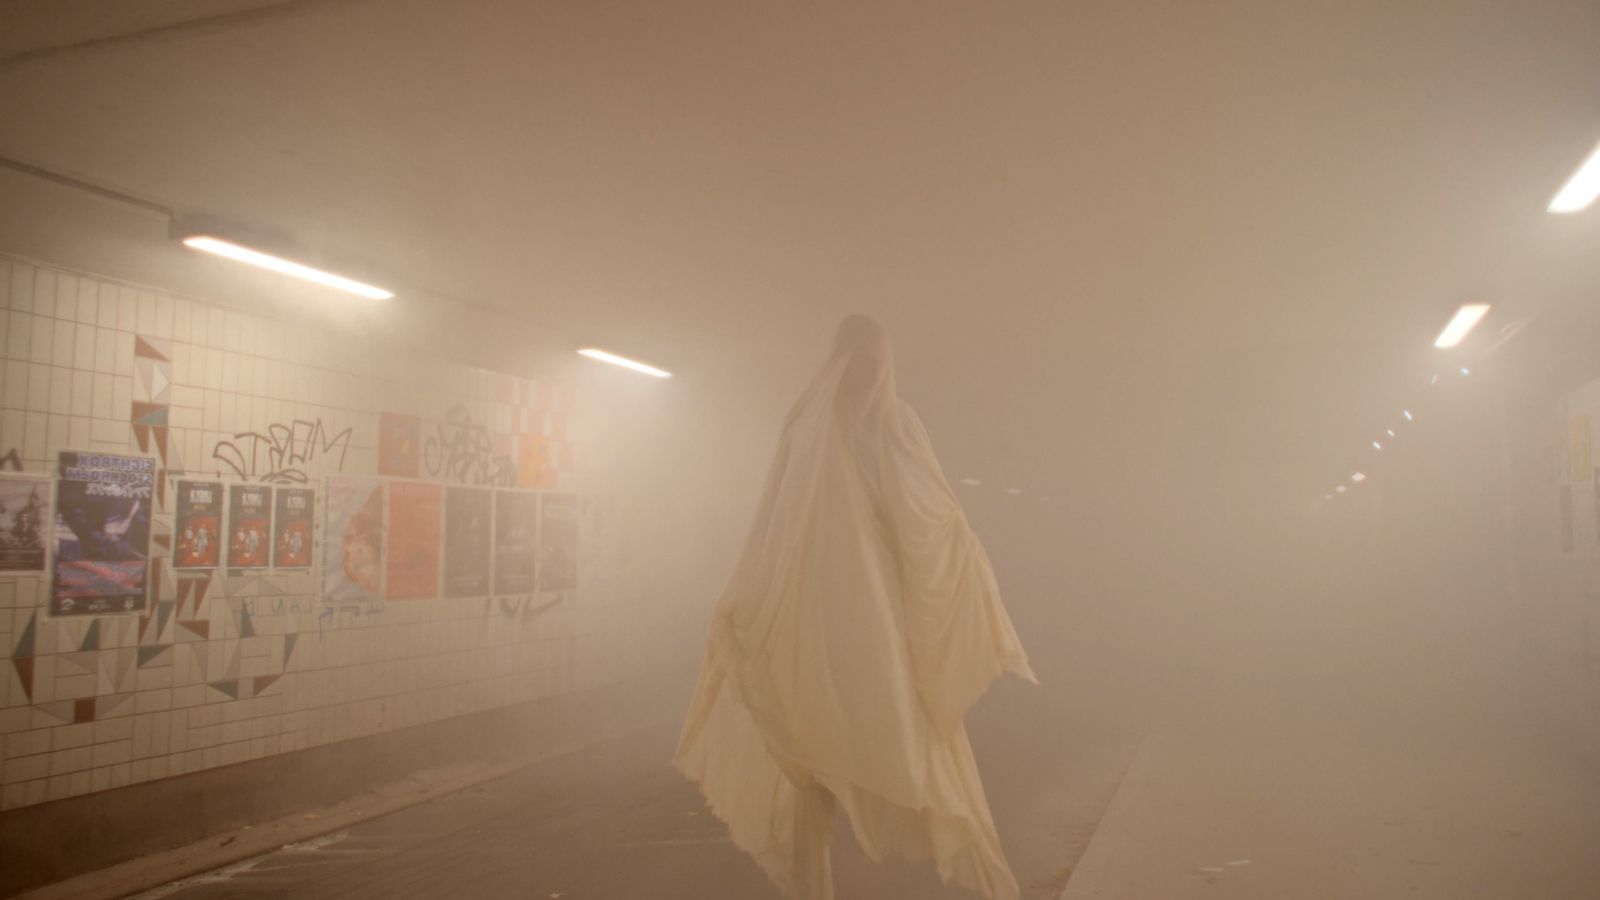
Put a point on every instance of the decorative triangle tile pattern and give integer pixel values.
(91, 638)
(263, 682)
(288, 648)
(154, 657)
(230, 688)
(24, 667)
(152, 348)
(247, 627)
(150, 414)
(59, 712)
(25, 644)
(163, 615)
(83, 711)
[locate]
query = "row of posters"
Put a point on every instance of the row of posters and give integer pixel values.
(256, 536)
(450, 541)
(394, 540)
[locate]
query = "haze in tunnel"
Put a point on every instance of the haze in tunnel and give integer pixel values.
(1163, 279)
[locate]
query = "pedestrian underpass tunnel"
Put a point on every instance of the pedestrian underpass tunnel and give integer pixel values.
(608, 450)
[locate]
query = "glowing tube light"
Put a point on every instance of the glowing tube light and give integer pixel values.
(1407, 414)
(624, 362)
(1465, 319)
(1340, 489)
(1377, 446)
(972, 482)
(1359, 477)
(1581, 189)
(235, 252)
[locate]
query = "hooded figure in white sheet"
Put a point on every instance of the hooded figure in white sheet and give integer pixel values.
(860, 625)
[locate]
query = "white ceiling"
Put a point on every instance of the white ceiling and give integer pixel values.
(1115, 240)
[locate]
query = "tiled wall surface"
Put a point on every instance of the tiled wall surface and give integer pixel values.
(224, 667)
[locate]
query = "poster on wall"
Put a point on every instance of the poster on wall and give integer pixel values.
(198, 526)
(102, 534)
(414, 518)
(352, 550)
(292, 522)
(24, 513)
(466, 542)
(558, 543)
(534, 464)
(516, 531)
(399, 445)
(249, 526)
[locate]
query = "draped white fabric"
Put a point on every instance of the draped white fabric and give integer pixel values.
(860, 625)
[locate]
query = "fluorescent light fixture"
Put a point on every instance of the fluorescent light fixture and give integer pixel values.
(1407, 414)
(237, 253)
(1465, 319)
(1377, 446)
(624, 362)
(1340, 489)
(1433, 381)
(972, 481)
(1015, 492)
(1391, 432)
(1581, 189)
(1466, 371)
(1359, 477)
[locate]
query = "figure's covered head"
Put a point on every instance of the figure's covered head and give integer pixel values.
(863, 347)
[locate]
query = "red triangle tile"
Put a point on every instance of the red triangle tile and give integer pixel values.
(142, 434)
(141, 347)
(161, 441)
(200, 627)
(265, 681)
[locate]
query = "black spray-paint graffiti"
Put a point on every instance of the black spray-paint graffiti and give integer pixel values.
(277, 457)
(459, 450)
(525, 606)
(11, 460)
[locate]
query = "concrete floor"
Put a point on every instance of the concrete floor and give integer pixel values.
(618, 822)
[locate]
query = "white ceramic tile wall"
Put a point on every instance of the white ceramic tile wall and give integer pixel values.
(257, 665)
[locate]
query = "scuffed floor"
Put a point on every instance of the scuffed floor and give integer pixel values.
(618, 822)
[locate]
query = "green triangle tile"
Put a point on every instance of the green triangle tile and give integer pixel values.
(29, 636)
(91, 638)
(24, 667)
(229, 687)
(146, 654)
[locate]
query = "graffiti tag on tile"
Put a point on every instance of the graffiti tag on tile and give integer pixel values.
(279, 455)
(463, 451)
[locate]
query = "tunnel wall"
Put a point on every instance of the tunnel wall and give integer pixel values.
(219, 666)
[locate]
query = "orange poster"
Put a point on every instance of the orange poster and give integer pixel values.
(414, 516)
(534, 464)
